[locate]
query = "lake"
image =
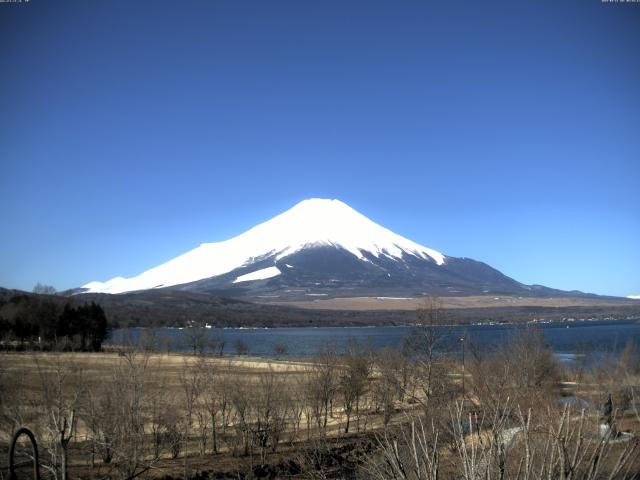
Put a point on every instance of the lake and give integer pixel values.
(567, 339)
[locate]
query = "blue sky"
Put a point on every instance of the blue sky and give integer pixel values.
(508, 132)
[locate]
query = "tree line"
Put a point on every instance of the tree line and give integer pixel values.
(43, 322)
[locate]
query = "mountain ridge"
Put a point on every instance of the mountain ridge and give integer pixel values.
(309, 224)
(321, 248)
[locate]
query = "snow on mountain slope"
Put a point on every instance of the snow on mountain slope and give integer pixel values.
(313, 222)
(262, 274)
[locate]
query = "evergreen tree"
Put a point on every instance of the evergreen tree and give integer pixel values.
(65, 321)
(43, 320)
(99, 328)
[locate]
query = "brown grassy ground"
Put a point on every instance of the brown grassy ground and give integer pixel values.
(486, 301)
(24, 371)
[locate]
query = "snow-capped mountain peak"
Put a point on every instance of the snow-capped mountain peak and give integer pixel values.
(310, 223)
(331, 222)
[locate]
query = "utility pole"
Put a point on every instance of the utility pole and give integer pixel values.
(462, 340)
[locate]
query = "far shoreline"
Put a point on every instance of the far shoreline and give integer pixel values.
(487, 323)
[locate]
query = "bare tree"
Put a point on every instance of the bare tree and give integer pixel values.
(214, 401)
(322, 385)
(411, 454)
(191, 382)
(386, 388)
(353, 380)
(49, 402)
(196, 339)
(61, 384)
(280, 348)
(499, 445)
(120, 427)
(297, 402)
(163, 420)
(522, 369)
(242, 405)
(271, 406)
(44, 289)
(241, 347)
(431, 380)
(217, 342)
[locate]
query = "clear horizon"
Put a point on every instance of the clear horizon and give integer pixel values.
(132, 132)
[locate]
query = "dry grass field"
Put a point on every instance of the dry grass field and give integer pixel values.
(246, 390)
(478, 301)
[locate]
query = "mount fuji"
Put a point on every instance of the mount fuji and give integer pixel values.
(320, 248)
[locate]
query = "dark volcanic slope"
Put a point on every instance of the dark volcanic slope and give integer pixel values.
(322, 248)
(333, 272)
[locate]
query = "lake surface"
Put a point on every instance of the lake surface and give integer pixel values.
(568, 340)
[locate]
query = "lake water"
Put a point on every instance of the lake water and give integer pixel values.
(567, 339)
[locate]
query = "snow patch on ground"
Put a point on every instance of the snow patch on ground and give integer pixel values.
(263, 274)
